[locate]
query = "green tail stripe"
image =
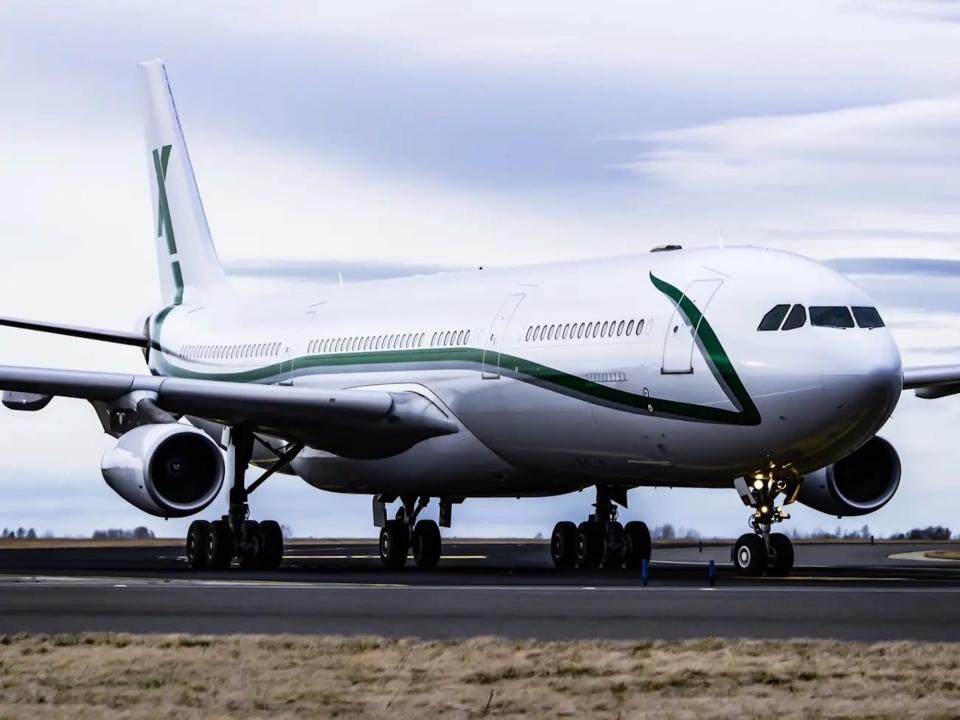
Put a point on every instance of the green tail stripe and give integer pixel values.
(177, 283)
(161, 157)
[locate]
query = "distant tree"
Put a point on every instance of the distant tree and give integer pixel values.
(286, 531)
(31, 534)
(667, 532)
(142, 533)
(21, 533)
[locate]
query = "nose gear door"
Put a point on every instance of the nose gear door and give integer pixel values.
(493, 343)
(681, 335)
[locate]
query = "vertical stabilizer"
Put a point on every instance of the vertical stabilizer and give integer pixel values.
(190, 270)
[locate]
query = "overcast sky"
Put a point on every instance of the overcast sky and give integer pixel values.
(362, 135)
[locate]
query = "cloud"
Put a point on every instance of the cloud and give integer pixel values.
(411, 137)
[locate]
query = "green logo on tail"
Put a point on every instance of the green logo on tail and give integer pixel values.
(161, 156)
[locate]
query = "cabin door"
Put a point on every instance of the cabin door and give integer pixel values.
(681, 336)
(493, 342)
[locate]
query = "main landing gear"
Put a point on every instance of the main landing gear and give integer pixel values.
(405, 533)
(254, 545)
(763, 552)
(601, 541)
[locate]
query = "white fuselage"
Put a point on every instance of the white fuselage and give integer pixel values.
(551, 379)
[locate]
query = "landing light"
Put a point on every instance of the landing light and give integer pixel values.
(758, 484)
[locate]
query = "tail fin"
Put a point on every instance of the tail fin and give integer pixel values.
(190, 270)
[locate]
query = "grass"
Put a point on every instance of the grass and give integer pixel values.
(178, 676)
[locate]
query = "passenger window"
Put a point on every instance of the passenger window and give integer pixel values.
(867, 317)
(603, 330)
(835, 316)
(630, 328)
(796, 318)
(589, 329)
(620, 328)
(774, 318)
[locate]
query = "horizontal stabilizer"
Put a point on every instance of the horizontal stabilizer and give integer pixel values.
(113, 336)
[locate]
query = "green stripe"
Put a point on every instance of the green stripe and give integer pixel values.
(161, 158)
(519, 369)
(712, 351)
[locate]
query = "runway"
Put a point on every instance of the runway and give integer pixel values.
(841, 590)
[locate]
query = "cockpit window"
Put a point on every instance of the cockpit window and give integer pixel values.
(831, 316)
(772, 320)
(867, 317)
(796, 318)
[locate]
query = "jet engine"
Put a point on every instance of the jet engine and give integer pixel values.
(860, 483)
(167, 470)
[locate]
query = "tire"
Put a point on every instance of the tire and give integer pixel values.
(426, 544)
(750, 555)
(589, 545)
(197, 544)
(614, 546)
(249, 553)
(639, 544)
(780, 562)
(394, 544)
(271, 545)
(219, 545)
(563, 545)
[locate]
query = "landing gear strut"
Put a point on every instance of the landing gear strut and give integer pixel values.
(763, 552)
(601, 540)
(254, 545)
(405, 533)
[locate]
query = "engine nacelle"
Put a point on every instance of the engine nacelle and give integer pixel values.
(167, 470)
(860, 483)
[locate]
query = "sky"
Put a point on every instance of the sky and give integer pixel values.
(383, 138)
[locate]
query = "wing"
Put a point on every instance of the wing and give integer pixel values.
(356, 423)
(932, 382)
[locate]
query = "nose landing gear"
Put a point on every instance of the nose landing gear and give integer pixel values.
(763, 552)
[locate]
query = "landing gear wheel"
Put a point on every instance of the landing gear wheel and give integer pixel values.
(614, 546)
(638, 544)
(780, 560)
(589, 545)
(750, 555)
(426, 544)
(563, 545)
(248, 553)
(394, 543)
(219, 545)
(271, 545)
(197, 544)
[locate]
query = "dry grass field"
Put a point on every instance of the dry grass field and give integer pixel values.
(127, 676)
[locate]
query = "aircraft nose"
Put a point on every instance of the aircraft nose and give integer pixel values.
(864, 389)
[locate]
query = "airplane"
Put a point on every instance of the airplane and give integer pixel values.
(741, 368)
